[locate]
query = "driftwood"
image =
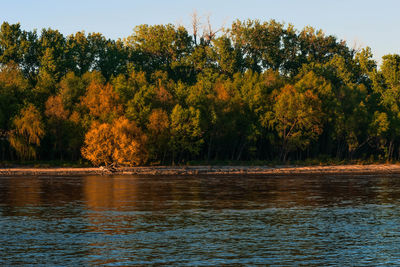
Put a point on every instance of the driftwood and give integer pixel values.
(109, 169)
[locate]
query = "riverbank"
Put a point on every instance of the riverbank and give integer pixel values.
(206, 170)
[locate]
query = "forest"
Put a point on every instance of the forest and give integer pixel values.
(169, 95)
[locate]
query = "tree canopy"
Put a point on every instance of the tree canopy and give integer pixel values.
(167, 94)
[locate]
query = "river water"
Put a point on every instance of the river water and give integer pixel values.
(206, 220)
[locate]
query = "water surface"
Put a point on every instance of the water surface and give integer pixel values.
(205, 220)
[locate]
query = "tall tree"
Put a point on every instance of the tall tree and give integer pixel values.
(53, 54)
(185, 132)
(160, 47)
(297, 119)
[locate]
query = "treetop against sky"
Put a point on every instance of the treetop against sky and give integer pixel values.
(360, 22)
(259, 90)
(254, 90)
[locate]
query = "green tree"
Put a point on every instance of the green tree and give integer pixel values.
(159, 47)
(13, 90)
(297, 119)
(71, 89)
(20, 47)
(387, 86)
(185, 132)
(81, 53)
(11, 43)
(53, 57)
(159, 134)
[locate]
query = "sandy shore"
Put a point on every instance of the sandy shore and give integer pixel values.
(192, 170)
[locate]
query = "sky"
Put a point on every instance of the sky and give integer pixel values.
(360, 22)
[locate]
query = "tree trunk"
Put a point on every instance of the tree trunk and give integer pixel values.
(241, 150)
(283, 153)
(209, 149)
(390, 151)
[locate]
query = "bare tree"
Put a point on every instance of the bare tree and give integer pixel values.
(357, 46)
(209, 33)
(195, 25)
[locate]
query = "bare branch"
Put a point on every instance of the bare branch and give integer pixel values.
(209, 33)
(195, 25)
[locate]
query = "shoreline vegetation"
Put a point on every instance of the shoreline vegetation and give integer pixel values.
(259, 92)
(388, 168)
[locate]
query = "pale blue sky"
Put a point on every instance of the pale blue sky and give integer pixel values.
(362, 22)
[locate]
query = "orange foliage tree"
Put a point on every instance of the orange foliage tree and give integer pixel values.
(129, 143)
(99, 144)
(64, 128)
(102, 102)
(121, 142)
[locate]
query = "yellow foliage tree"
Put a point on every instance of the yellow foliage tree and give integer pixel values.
(297, 118)
(159, 131)
(27, 133)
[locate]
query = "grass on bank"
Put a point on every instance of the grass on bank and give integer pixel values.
(308, 162)
(321, 161)
(46, 164)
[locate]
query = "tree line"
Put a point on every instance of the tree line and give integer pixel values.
(256, 90)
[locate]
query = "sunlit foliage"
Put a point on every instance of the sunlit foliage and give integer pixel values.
(166, 94)
(99, 144)
(121, 142)
(27, 133)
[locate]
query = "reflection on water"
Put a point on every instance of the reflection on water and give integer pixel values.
(318, 220)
